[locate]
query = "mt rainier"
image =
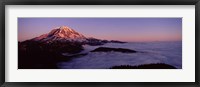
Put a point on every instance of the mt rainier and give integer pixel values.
(62, 33)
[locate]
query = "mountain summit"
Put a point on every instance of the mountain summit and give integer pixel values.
(61, 33)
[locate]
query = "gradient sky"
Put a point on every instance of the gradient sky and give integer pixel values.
(123, 29)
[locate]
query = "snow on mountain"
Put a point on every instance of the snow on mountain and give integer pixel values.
(62, 33)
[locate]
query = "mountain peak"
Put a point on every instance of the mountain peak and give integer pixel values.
(61, 33)
(65, 28)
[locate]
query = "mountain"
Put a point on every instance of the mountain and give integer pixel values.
(67, 34)
(62, 33)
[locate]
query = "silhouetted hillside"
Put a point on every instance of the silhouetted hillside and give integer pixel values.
(36, 55)
(145, 66)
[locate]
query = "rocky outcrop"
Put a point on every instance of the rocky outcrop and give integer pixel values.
(107, 49)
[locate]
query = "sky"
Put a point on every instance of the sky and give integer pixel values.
(123, 29)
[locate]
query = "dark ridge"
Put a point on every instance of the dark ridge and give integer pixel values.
(40, 55)
(107, 49)
(77, 55)
(115, 41)
(95, 42)
(145, 66)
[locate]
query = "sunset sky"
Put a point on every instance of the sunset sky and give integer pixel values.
(123, 29)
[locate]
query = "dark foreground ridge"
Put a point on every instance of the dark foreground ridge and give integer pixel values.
(145, 66)
(107, 49)
(40, 55)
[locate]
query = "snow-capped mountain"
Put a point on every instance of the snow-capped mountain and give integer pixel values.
(62, 33)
